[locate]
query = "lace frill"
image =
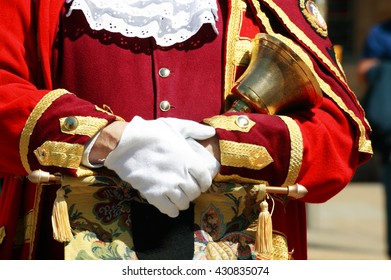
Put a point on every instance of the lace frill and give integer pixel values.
(167, 21)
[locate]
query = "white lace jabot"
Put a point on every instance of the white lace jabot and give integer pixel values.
(168, 21)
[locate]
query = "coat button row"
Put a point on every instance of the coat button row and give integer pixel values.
(164, 105)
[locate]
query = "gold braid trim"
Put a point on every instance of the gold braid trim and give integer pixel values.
(229, 123)
(261, 15)
(243, 52)
(238, 7)
(27, 131)
(297, 148)
(365, 145)
(59, 154)
(88, 126)
(244, 155)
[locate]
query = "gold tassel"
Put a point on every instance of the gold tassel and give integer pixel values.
(60, 219)
(264, 236)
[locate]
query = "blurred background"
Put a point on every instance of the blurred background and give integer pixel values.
(351, 225)
(348, 24)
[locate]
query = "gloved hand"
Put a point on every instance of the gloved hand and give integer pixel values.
(157, 160)
(193, 131)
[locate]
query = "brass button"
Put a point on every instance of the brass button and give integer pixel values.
(71, 123)
(165, 106)
(164, 72)
(242, 121)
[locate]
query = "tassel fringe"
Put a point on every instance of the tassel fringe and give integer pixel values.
(264, 236)
(60, 219)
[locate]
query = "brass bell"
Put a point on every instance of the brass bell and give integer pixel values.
(276, 81)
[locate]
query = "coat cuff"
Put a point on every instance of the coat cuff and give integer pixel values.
(255, 148)
(56, 131)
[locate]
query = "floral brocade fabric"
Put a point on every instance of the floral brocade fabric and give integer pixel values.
(225, 221)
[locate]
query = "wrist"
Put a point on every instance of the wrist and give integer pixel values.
(107, 141)
(212, 146)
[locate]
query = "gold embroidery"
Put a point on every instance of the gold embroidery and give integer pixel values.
(41, 107)
(229, 123)
(59, 154)
(297, 148)
(243, 52)
(244, 155)
(88, 126)
(262, 16)
(238, 7)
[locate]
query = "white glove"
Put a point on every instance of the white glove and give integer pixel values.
(156, 159)
(191, 131)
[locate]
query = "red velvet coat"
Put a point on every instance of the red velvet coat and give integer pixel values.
(319, 149)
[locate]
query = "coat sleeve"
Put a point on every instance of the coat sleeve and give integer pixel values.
(315, 149)
(319, 148)
(42, 128)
